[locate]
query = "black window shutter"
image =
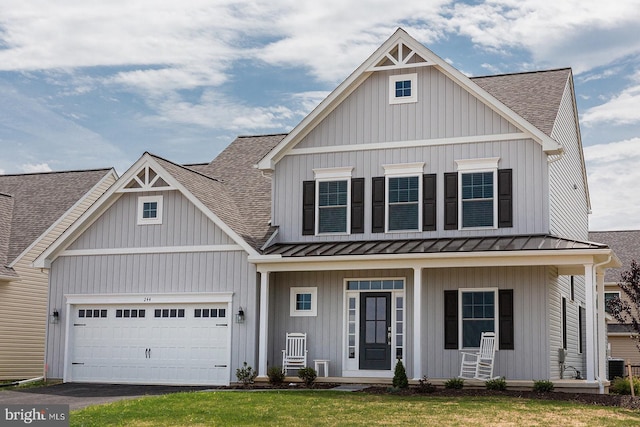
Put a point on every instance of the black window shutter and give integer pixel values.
(505, 198)
(357, 205)
(451, 201)
(429, 202)
(451, 320)
(505, 316)
(377, 204)
(308, 208)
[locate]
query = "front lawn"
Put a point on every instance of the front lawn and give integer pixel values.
(305, 408)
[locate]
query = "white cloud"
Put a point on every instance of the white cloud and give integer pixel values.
(621, 109)
(613, 177)
(2, 172)
(35, 168)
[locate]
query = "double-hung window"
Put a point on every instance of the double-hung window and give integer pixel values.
(478, 204)
(478, 314)
(332, 206)
(404, 196)
(333, 192)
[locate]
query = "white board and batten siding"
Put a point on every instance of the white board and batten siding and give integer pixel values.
(524, 157)
(528, 360)
(568, 208)
(205, 262)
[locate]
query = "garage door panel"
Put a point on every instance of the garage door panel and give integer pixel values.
(164, 344)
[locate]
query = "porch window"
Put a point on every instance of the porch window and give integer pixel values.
(478, 314)
(304, 302)
(610, 296)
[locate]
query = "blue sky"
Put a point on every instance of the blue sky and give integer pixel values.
(87, 84)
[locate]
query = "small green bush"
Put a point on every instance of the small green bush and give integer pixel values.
(425, 386)
(542, 386)
(308, 375)
(497, 384)
(275, 375)
(622, 386)
(454, 383)
(246, 375)
(400, 379)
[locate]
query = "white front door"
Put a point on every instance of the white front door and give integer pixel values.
(150, 344)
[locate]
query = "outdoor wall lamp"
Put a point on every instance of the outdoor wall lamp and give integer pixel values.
(240, 316)
(55, 316)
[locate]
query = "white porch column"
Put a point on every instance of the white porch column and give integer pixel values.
(264, 324)
(590, 310)
(601, 327)
(417, 322)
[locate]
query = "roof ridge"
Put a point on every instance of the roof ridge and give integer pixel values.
(521, 73)
(182, 167)
(263, 135)
(613, 231)
(57, 172)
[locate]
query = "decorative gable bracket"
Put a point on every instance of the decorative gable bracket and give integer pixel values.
(145, 180)
(398, 57)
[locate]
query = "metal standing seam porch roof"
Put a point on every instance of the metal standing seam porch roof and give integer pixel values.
(430, 246)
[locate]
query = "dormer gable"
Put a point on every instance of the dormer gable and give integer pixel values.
(401, 52)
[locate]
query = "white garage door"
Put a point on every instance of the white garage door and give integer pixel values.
(150, 344)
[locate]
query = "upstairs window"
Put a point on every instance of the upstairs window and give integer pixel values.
(608, 297)
(403, 88)
(478, 204)
(404, 196)
(149, 210)
(333, 199)
(477, 199)
(404, 203)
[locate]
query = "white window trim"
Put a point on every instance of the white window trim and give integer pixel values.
(294, 312)
(465, 166)
(401, 170)
(495, 314)
(147, 199)
(413, 77)
(327, 175)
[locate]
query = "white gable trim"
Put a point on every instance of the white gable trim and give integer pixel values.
(112, 195)
(110, 174)
(364, 71)
(406, 144)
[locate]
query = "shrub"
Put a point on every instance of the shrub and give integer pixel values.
(400, 379)
(454, 383)
(622, 386)
(425, 386)
(246, 375)
(542, 386)
(276, 375)
(308, 375)
(498, 384)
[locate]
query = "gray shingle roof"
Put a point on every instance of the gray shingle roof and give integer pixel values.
(535, 96)
(6, 214)
(231, 187)
(625, 244)
(39, 199)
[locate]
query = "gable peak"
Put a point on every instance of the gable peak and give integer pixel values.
(400, 55)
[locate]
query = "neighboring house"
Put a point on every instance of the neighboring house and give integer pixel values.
(626, 245)
(411, 210)
(34, 210)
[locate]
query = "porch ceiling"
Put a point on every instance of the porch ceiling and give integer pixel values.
(535, 242)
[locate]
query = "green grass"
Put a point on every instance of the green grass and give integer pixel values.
(330, 408)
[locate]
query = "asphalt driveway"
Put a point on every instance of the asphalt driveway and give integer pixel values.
(78, 395)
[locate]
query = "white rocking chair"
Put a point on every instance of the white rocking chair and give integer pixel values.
(479, 366)
(294, 356)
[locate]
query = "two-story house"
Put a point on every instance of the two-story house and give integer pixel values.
(413, 209)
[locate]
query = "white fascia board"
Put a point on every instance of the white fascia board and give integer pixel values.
(438, 260)
(110, 174)
(150, 298)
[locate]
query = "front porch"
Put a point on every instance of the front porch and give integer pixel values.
(413, 285)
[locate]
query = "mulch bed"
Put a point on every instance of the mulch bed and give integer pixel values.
(616, 400)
